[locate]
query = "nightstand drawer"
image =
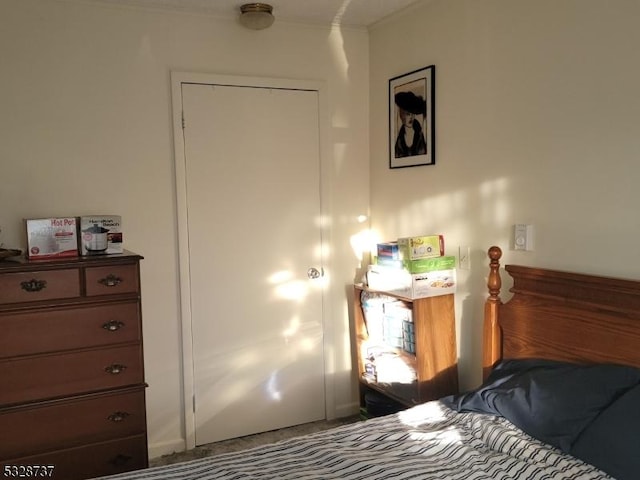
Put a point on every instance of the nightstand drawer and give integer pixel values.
(111, 280)
(41, 377)
(71, 422)
(53, 330)
(39, 285)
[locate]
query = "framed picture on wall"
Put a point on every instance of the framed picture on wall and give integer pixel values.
(412, 118)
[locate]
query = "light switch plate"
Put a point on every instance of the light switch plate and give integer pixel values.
(522, 237)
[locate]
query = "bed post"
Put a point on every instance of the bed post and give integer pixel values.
(492, 337)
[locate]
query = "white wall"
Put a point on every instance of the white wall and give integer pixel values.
(536, 122)
(537, 112)
(87, 129)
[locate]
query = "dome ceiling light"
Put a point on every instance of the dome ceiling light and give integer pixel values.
(256, 16)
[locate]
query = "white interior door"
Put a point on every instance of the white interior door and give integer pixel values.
(253, 201)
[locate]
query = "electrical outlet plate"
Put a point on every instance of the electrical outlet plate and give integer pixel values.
(464, 257)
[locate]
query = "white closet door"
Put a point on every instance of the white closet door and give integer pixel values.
(253, 201)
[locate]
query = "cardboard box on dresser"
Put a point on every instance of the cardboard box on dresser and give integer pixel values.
(60, 237)
(100, 234)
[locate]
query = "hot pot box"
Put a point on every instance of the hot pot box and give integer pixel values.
(52, 237)
(100, 234)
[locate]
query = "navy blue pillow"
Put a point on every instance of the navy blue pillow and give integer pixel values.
(611, 441)
(551, 401)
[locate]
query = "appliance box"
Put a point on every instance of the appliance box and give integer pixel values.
(422, 265)
(411, 285)
(388, 250)
(52, 237)
(389, 262)
(413, 248)
(101, 234)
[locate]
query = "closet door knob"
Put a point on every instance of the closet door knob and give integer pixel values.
(314, 273)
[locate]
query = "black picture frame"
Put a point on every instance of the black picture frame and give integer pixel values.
(412, 98)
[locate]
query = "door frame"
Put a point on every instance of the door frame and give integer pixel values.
(177, 80)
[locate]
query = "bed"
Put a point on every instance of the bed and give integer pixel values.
(559, 400)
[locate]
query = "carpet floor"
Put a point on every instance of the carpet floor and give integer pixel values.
(250, 441)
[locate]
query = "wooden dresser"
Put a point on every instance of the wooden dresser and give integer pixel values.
(72, 391)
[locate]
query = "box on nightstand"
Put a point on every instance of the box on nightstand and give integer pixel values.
(423, 265)
(411, 285)
(413, 248)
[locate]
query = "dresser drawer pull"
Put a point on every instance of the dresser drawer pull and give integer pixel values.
(113, 325)
(110, 280)
(33, 285)
(115, 369)
(120, 460)
(117, 417)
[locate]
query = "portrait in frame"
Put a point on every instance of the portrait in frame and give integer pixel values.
(412, 119)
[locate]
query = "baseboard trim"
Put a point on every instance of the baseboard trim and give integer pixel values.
(346, 410)
(179, 444)
(165, 448)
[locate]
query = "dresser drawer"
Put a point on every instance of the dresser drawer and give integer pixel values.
(28, 379)
(72, 422)
(94, 460)
(39, 285)
(112, 279)
(52, 330)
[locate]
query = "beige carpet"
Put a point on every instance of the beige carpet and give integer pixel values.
(250, 441)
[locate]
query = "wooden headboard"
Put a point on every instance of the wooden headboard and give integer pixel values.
(561, 316)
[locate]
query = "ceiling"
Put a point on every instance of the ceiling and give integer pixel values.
(355, 13)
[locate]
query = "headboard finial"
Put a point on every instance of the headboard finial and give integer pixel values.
(495, 253)
(494, 282)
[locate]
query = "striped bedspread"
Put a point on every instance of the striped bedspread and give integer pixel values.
(428, 442)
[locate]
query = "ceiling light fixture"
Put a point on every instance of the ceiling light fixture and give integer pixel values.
(256, 16)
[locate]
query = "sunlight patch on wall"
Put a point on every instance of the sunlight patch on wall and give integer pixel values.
(287, 287)
(362, 242)
(495, 209)
(340, 117)
(292, 328)
(322, 221)
(242, 372)
(336, 42)
(448, 213)
(307, 344)
(280, 277)
(319, 252)
(295, 290)
(272, 387)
